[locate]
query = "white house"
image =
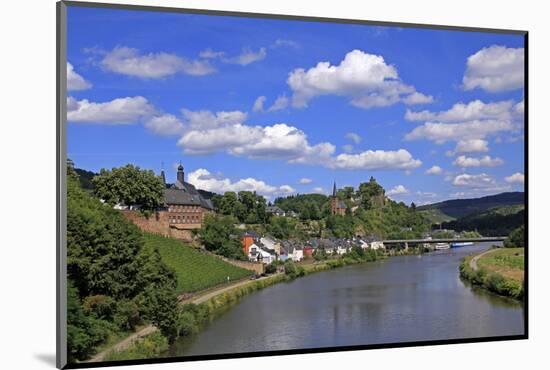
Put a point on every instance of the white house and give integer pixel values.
(257, 254)
(296, 254)
(377, 244)
(341, 249)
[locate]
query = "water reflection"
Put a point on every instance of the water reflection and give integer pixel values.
(407, 298)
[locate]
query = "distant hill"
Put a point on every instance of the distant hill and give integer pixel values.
(453, 209)
(499, 221)
(85, 178)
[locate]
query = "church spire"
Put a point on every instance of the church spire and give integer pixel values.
(334, 189)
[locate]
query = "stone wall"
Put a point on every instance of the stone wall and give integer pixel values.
(158, 223)
(257, 267)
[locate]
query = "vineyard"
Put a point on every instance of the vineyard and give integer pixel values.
(195, 270)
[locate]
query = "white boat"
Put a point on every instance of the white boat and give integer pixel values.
(441, 246)
(461, 244)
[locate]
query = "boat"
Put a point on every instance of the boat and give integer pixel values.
(461, 244)
(441, 246)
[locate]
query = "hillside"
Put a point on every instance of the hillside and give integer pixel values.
(194, 270)
(498, 221)
(452, 209)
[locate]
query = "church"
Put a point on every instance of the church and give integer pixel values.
(337, 207)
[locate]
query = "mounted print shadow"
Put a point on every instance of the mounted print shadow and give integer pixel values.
(235, 184)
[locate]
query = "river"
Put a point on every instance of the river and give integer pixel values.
(399, 299)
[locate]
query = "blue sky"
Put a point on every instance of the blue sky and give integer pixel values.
(285, 107)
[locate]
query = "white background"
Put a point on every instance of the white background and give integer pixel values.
(27, 181)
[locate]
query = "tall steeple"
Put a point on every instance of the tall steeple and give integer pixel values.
(334, 189)
(180, 176)
(162, 175)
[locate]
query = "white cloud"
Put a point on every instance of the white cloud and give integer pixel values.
(485, 161)
(287, 43)
(418, 98)
(131, 62)
(348, 148)
(281, 103)
(397, 191)
(118, 111)
(305, 180)
(353, 137)
(76, 81)
(165, 125)
(519, 107)
(247, 56)
(211, 54)
(516, 178)
(376, 160)
(495, 69)
(472, 146)
(465, 122)
(481, 180)
(434, 170)
(363, 77)
(203, 179)
(259, 104)
(205, 119)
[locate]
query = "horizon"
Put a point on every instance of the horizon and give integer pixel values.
(433, 115)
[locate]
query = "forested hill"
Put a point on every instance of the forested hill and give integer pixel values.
(456, 208)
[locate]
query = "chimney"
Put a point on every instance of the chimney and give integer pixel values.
(181, 177)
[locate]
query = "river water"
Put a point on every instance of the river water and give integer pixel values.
(399, 299)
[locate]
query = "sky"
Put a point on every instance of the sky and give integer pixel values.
(283, 107)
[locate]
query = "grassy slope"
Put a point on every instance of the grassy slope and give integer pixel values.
(195, 270)
(508, 262)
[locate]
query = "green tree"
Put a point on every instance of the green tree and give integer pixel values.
(218, 234)
(129, 185)
(516, 239)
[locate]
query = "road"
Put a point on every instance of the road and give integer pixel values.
(201, 298)
(473, 261)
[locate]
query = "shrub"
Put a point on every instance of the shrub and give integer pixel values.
(144, 348)
(101, 306)
(127, 315)
(270, 269)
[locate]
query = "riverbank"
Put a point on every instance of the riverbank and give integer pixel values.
(499, 270)
(206, 306)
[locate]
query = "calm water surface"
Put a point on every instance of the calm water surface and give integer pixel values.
(400, 299)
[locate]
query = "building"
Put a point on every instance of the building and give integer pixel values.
(274, 210)
(257, 254)
(183, 210)
(337, 207)
(247, 239)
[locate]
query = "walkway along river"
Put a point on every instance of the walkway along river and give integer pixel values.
(400, 299)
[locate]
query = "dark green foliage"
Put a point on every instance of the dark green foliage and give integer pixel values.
(84, 331)
(129, 185)
(127, 315)
(111, 273)
(246, 206)
(308, 206)
(489, 223)
(219, 235)
(341, 226)
(462, 207)
(282, 227)
(85, 178)
(516, 239)
(147, 347)
(270, 269)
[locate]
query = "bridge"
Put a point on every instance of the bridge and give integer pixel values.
(406, 242)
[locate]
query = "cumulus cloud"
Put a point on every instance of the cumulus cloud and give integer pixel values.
(353, 137)
(376, 160)
(206, 132)
(247, 57)
(465, 122)
(165, 125)
(365, 78)
(516, 178)
(118, 111)
(211, 54)
(397, 191)
(131, 62)
(259, 104)
(280, 103)
(481, 180)
(203, 179)
(75, 81)
(305, 180)
(485, 161)
(495, 69)
(434, 170)
(472, 146)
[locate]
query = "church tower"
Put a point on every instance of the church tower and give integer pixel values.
(334, 201)
(180, 175)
